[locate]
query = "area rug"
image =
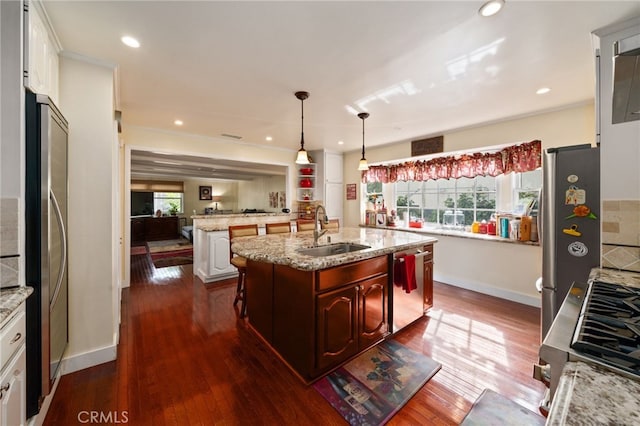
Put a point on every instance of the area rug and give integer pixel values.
(138, 250)
(371, 388)
(491, 409)
(170, 252)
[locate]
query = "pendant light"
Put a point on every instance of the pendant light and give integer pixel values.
(302, 157)
(363, 161)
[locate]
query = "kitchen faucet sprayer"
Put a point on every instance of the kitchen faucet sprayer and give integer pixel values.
(317, 234)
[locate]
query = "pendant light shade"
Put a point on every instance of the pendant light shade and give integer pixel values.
(302, 157)
(363, 161)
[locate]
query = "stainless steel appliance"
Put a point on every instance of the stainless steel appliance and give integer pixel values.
(407, 306)
(597, 323)
(46, 136)
(569, 225)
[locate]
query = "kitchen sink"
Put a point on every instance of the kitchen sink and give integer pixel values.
(331, 249)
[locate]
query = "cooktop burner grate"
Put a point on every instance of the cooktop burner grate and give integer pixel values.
(608, 328)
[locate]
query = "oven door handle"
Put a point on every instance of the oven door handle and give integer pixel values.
(418, 255)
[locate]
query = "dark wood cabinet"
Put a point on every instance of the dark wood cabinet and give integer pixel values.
(428, 277)
(154, 228)
(161, 228)
(373, 310)
(337, 319)
(137, 230)
(315, 320)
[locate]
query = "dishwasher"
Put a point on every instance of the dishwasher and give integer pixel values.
(407, 307)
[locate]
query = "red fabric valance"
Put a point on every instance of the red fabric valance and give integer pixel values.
(524, 157)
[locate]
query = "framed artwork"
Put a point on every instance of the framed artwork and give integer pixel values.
(205, 193)
(351, 191)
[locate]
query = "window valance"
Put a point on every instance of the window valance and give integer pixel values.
(523, 157)
(156, 186)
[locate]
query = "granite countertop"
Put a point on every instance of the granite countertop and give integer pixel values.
(615, 276)
(282, 248)
(232, 215)
(588, 394)
(221, 222)
(10, 299)
(458, 233)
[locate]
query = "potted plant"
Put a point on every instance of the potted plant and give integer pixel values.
(173, 208)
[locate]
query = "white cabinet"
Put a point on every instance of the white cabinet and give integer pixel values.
(330, 182)
(41, 55)
(13, 371)
(212, 258)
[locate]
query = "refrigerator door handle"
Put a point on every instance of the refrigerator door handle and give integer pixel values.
(63, 260)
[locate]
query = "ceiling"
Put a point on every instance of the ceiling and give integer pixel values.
(229, 70)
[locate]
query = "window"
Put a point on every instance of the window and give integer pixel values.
(374, 193)
(163, 201)
(460, 202)
(465, 200)
(526, 189)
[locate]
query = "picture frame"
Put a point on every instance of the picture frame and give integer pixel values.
(205, 193)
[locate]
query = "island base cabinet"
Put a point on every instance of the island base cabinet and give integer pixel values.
(350, 319)
(374, 324)
(315, 320)
(337, 319)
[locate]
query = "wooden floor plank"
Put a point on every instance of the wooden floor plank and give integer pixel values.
(184, 357)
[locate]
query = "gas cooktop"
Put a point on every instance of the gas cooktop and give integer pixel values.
(608, 328)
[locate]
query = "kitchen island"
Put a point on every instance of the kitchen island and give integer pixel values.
(317, 312)
(211, 241)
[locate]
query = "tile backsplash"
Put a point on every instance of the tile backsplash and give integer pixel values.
(9, 244)
(621, 234)
(9, 226)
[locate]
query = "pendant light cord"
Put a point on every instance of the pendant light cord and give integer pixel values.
(302, 124)
(363, 138)
(363, 115)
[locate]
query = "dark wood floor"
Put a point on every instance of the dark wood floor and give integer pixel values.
(185, 358)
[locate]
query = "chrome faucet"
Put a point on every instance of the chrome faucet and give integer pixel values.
(317, 234)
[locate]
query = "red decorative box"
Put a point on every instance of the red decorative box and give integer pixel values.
(415, 224)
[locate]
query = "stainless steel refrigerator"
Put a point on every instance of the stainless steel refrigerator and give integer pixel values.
(46, 192)
(569, 222)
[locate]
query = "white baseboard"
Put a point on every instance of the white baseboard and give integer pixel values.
(485, 288)
(89, 359)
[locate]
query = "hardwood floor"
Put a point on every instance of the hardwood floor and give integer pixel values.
(185, 358)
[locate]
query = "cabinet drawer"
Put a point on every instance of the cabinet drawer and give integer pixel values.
(11, 337)
(350, 273)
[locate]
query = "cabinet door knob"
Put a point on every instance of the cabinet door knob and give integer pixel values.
(4, 388)
(15, 338)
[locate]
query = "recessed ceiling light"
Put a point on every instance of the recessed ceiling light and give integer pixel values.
(268, 138)
(542, 91)
(130, 41)
(491, 7)
(178, 122)
(340, 142)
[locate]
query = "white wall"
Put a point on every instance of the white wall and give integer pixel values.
(227, 190)
(502, 269)
(254, 194)
(86, 100)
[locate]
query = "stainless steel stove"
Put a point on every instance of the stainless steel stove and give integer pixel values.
(598, 323)
(608, 328)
